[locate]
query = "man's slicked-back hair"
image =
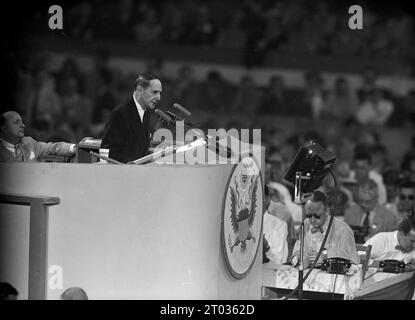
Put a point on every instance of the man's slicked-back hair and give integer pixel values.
(143, 80)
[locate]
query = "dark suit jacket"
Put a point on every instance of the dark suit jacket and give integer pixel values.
(125, 135)
(384, 220)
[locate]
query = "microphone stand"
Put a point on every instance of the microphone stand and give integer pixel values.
(300, 199)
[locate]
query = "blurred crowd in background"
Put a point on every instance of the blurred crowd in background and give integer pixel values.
(319, 27)
(71, 103)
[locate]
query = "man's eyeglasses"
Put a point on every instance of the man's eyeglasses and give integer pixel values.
(315, 215)
(407, 196)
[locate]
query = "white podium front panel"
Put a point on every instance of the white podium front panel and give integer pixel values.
(134, 232)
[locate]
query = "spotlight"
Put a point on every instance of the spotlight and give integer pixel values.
(314, 163)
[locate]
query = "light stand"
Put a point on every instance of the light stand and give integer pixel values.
(306, 173)
(300, 199)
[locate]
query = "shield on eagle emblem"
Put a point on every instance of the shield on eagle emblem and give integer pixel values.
(242, 217)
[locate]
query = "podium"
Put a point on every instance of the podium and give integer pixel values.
(125, 231)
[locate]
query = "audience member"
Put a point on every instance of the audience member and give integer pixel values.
(79, 19)
(380, 159)
(397, 245)
(392, 183)
(47, 106)
(345, 198)
(76, 109)
(202, 31)
(231, 34)
(339, 200)
(406, 201)
(247, 97)
(375, 109)
(172, 23)
(122, 15)
(69, 69)
(342, 102)
(368, 217)
(99, 74)
(147, 28)
(362, 163)
(274, 100)
(408, 163)
(214, 93)
(184, 89)
(106, 99)
(315, 97)
(369, 78)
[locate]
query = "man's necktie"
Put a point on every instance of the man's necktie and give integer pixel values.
(366, 223)
(18, 153)
(146, 120)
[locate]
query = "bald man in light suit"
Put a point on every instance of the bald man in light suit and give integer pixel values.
(15, 147)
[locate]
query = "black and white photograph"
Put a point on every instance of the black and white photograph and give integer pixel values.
(215, 157)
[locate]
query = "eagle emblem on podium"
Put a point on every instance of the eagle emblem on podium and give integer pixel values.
(243, 208)
(242, 217)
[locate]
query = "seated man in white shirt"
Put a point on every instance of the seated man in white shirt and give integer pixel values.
(340, 241)
(397, 245)
(15, 147)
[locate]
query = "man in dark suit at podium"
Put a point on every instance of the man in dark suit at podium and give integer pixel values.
(127, 132)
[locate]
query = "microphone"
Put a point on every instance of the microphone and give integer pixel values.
(164, 116)
(183, 110)
(177, 118)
